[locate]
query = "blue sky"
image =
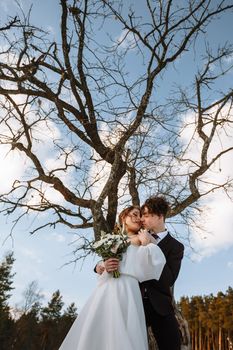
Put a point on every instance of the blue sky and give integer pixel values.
(43, 256)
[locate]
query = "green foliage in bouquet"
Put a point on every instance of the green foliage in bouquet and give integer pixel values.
(111, 245)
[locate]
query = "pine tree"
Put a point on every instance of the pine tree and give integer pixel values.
(27, 326)
(210, 320)
(6, 281)
(51, 323)
(67, 320)
(52, 312)
(71, 312)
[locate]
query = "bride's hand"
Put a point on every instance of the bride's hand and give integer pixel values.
(111, 264)
(144, 237)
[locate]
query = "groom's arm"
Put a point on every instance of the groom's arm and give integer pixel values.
(99, 267)
(172, 267)
(110, 265)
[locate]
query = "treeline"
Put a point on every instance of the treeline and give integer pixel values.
(210, 320)
(31, 326)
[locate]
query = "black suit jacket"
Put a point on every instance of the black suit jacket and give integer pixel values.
(159, 292)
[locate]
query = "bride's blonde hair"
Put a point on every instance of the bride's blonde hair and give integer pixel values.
(134, 240)
(126, 212)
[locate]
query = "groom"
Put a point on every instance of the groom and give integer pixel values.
(157, 297)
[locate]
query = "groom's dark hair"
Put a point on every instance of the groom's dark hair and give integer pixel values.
(156, 205)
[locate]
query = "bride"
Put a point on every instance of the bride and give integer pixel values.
(113, 317)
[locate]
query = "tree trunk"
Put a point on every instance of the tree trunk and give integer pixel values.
(196, 336)
(219, 338)
(208, 339)
(184, 330)
(213, 341)
(193, 339)
(200, 336)
(229, 341)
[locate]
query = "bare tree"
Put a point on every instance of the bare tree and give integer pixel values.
(89, 123)
(12, 22)
(109, 132)
(32, 297)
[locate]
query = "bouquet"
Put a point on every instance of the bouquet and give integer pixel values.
(111, 245)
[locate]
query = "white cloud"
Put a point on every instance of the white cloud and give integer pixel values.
(230, 265)
(215, 224)
(31, 255)
(110, 136)
(51, 29)
(57, 237)
(12, 167)
(49, 194)
(16, 166)
(229, 59)
(126, 39)
(98, 175)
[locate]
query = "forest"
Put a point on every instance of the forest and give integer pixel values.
(31, 325)
(210, 320)
(34, 326)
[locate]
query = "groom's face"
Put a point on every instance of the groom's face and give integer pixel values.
(152, 221)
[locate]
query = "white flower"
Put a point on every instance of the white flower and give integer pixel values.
(115, 247)
(97, 244)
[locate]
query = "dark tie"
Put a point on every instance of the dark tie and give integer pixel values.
(154, 235)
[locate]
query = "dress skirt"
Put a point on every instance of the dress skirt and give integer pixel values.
(112, 319)
(113, 316)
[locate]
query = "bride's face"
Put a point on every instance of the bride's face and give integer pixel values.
(132, 221)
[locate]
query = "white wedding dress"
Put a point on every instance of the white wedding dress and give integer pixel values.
(113, 317)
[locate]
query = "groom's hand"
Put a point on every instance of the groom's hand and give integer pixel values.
(111, 264)
(144, 237)
(99, 268)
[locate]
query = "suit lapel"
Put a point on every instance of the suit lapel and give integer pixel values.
(165, 242)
